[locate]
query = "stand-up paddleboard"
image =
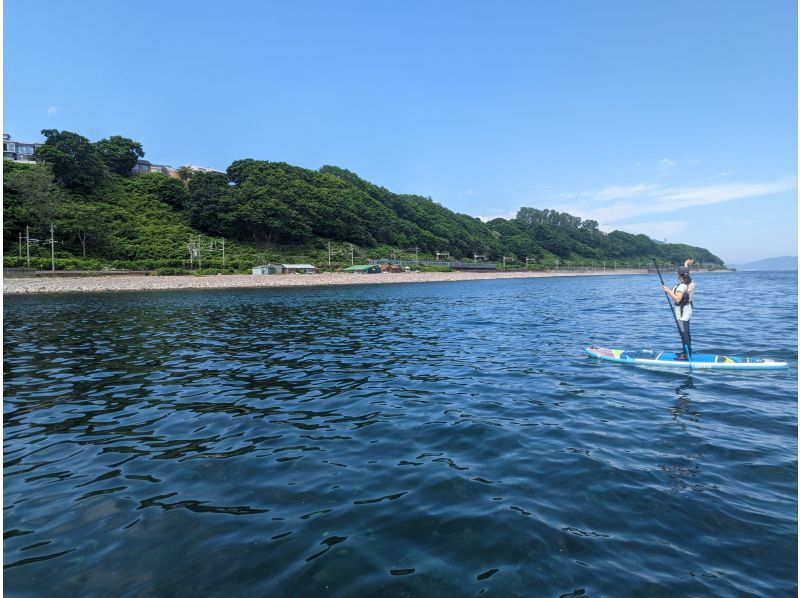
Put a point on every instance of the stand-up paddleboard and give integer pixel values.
(699, 361)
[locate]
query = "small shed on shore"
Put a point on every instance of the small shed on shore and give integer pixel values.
(285, 269)
(299, 269)
(364, 269)
(267, 269)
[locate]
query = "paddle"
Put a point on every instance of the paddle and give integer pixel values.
(672, 311)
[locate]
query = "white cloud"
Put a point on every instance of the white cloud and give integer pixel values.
(619, 192)
(666, 163)
(665, 229)
(506, 215)
(615, 203)
(708, 194)
(52, 111)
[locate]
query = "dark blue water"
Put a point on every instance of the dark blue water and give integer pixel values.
(399, 440)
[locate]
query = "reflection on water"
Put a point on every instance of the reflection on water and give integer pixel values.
(412, 440)
(682, 411)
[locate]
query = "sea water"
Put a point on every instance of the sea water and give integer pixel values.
(401, 440)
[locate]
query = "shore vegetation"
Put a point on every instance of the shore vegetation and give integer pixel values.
(270, 212)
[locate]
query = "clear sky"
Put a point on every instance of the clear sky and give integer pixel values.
(675, 119)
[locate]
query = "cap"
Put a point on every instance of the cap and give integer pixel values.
(683, 270)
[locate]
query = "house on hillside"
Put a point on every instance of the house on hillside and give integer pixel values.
(142, 166)
(18, 151)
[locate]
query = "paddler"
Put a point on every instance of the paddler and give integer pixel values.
(682, 295)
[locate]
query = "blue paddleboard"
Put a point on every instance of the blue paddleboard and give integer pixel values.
(704, 361)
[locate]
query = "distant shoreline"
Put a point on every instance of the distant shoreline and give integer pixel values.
(99, 284)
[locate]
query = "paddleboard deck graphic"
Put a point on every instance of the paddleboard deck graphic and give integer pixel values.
(703, 361)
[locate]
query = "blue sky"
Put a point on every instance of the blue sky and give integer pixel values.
(674, 119)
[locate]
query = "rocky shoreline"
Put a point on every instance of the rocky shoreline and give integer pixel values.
(95, 284)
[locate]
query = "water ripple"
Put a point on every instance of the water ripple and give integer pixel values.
(439, 439)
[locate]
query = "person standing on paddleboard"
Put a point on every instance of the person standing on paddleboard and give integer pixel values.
(682, 295)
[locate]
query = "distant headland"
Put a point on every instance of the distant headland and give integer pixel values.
(786, 262)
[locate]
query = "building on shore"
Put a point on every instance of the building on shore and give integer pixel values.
(364, 269)
(267, 269)
(458, 266)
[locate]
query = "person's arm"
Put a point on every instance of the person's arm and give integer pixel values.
(676, 297)
(687, 262)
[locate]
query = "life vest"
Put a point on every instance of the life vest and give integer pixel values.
(685, 300)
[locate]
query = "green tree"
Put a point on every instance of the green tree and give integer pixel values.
(208, 201)
(32, 196)
(165, 188)
(75, 162)
(185, 173)
(119, 153)
(86, 221)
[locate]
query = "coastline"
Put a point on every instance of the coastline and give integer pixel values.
(99, 284)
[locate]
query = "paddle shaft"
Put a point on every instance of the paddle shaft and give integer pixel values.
(672, 311)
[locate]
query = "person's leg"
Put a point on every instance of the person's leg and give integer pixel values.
(686, 337)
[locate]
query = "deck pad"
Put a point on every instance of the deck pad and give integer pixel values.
(697, 361)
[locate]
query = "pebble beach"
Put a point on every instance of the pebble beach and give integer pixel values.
(94, 284)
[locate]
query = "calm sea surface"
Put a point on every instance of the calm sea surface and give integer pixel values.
(399, 440)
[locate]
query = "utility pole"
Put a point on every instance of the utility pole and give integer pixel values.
(20, 243)
(223, 252)
(351, 254)
(194, 251)
(52, 250)
(28, 244)
(556, 263)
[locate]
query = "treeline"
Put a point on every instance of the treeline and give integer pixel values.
(101, 212)
(270, 202)
(540, 232)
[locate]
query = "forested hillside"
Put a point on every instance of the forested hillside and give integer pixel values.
(267, 211)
